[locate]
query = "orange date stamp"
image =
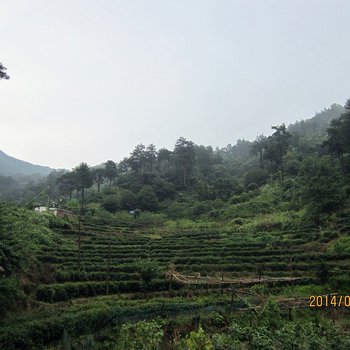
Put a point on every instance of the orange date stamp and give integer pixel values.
(318, 301)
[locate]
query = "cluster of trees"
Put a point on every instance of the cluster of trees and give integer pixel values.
(83, 177)
(145, 160)
(193, 180)
(149, 179)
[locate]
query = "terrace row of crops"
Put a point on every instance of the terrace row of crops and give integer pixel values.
(111, 258)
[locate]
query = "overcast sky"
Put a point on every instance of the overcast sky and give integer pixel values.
(91, 79)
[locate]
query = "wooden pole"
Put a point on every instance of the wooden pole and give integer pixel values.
(170, 283)
(108, 265)
(79, 238)
(231, 303)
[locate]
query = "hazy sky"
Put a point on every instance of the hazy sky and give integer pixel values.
(91, 79)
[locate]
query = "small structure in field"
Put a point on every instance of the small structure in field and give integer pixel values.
(62, 213)
(40, 208)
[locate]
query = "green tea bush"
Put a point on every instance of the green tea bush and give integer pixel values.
(62, 292)
(196, 340)
(11, 294)
(140, 336)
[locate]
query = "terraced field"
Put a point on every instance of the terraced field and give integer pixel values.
(101, 267)
(107, 261)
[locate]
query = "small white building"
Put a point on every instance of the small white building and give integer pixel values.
(40, 208)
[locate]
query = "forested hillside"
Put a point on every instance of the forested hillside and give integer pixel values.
(190, 180)
(188, 248)
(198, 182)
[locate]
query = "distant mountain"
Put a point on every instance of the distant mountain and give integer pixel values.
(10, 166)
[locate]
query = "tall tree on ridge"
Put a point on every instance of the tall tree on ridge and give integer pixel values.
(84, 179)
(335, 141)
(98, 175)
(257, 148)
(184, 157)
(151, 156)
(138, 158)
(276, 146)
(110, 171)
(67, 183)
(163, 159)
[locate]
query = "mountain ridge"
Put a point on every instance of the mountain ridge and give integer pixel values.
(11, 166)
